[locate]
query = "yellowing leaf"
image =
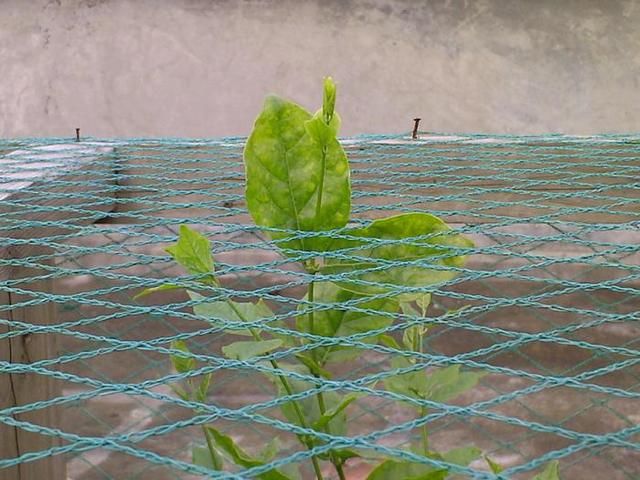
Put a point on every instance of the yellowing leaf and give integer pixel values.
(411, 237)
(295, 182)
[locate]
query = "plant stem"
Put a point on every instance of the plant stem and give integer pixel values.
(425, 432)
(323, 167)
(312, 329)
(301, 419)
(287, 386)
(212, 453)
(423, 410)
(320, 396)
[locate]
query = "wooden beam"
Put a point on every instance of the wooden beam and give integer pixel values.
(71, 185)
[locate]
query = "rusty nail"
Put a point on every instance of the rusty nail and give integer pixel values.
(414, 134)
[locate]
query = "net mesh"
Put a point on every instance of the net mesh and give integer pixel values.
(547, 305)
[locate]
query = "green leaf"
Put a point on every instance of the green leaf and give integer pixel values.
(412, 337)
(309, 405)
(551, 472)
(321, 132)
(408, 309)
(227, 312)
(181, 364)
(161, 288)
(342, 454)
(201, 456)
(411, 384)
(313, 366)
(403, 228)
(203, 388)
(270, 450)
(192, 251)
(328, 99)
(447, 383)
(180, 392)
(462, 456)
(345, 454)
(241, 458)
(340, 321)
(389, 341)
(246, 350)
(494, 466)
(422, 301)
(392, 469)
(438, 385)
(330, 414)
(292, 471)
(295, 182)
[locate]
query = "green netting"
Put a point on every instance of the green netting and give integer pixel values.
(547, 306)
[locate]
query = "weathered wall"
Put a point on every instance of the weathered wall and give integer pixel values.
(202, 67)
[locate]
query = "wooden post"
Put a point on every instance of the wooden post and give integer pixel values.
(26, 184)
(22, 389)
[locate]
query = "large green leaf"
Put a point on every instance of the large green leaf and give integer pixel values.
(435, 249)
(340, 321)
(396, 470)
(297, 174)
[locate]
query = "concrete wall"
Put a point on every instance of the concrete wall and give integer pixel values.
(200, 68)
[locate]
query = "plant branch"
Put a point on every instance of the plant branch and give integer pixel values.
(212, 452)
(424, 432)
(287, 386)
(323, 167)
(419, 337)
(312, 266)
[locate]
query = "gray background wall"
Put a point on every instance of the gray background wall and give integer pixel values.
(200, 68)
